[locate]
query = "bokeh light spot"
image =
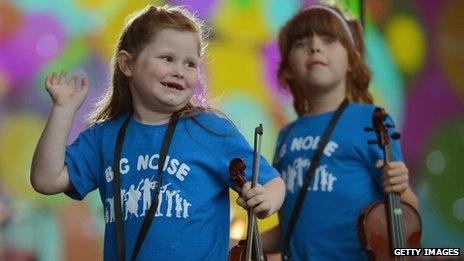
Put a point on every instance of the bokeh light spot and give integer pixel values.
(406, 40)
(458, 209)
(47, 45)
(436, 162)
(447, 187)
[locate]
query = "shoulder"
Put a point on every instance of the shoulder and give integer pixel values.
(100, 128)
(357, 113)
(361, 109)
(214, 121)
(287, 127)
(213, 117)
(363, 113)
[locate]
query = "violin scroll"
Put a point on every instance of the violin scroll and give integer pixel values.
(381, 129)
(237, 171)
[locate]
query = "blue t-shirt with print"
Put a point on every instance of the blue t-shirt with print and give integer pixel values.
(345, 182)
(192, 219)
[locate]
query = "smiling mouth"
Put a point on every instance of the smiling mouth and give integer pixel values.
(172, 85)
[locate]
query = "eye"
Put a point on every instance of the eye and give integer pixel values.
(300, 44)
(329, 39)
(166, 58)
(191, 64)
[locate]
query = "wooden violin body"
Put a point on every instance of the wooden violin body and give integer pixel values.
(373, 227)
(238, 252)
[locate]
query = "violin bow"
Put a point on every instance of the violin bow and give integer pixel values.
(252, 228)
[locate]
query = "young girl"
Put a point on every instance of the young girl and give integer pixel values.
(147, 117)
(322, 65)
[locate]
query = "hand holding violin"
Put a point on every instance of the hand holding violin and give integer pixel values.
(257, 198)
(395, 176)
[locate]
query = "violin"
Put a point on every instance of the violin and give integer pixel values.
(251, 248)
(391, 223)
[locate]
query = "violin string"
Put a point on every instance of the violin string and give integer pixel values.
(403, 230)
(400, 232)
(391, 204)
(401, 223)
(394, 224)
(399, 217)
(395, 204)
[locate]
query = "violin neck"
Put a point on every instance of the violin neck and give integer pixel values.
(396, 223)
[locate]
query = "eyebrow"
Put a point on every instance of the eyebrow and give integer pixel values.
(170, 52)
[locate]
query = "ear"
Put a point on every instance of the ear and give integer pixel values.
(125, 63)
(286, 74)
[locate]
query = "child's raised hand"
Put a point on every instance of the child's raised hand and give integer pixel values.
(395, 176)
(257, 198)
(66, 94)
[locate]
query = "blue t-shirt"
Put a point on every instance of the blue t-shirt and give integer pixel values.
(345, 182)
(192, 219)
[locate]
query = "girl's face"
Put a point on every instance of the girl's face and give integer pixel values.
(318, 63)
(166, 72)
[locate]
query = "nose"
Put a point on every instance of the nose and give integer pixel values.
(178, 72)
(315, 50)
(314, 45)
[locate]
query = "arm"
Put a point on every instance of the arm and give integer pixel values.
(49, 174)
(408, 196)
(266, 199)
(271, 240)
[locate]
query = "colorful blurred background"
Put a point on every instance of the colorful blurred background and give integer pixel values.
(415, 49)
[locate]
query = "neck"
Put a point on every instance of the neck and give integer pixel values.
(150, 117)
(324, 102)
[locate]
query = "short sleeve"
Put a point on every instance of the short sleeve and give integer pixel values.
(84, 163)
(280, 143)
(236, 146)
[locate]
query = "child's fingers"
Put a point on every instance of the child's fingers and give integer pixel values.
(263, 207)
(256, 200)
(390, 165)
(396, 164)
(394, 173)
(73, 80)
(84, 83)
(395, 181)
(62, 77)
(53, 79)
(48, 81)
(241, 203)
(396, 170)
(246, 187)
(248, 192)
(399, 188)
(381, 164)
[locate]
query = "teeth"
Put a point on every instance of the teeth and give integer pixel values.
(171, 86)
